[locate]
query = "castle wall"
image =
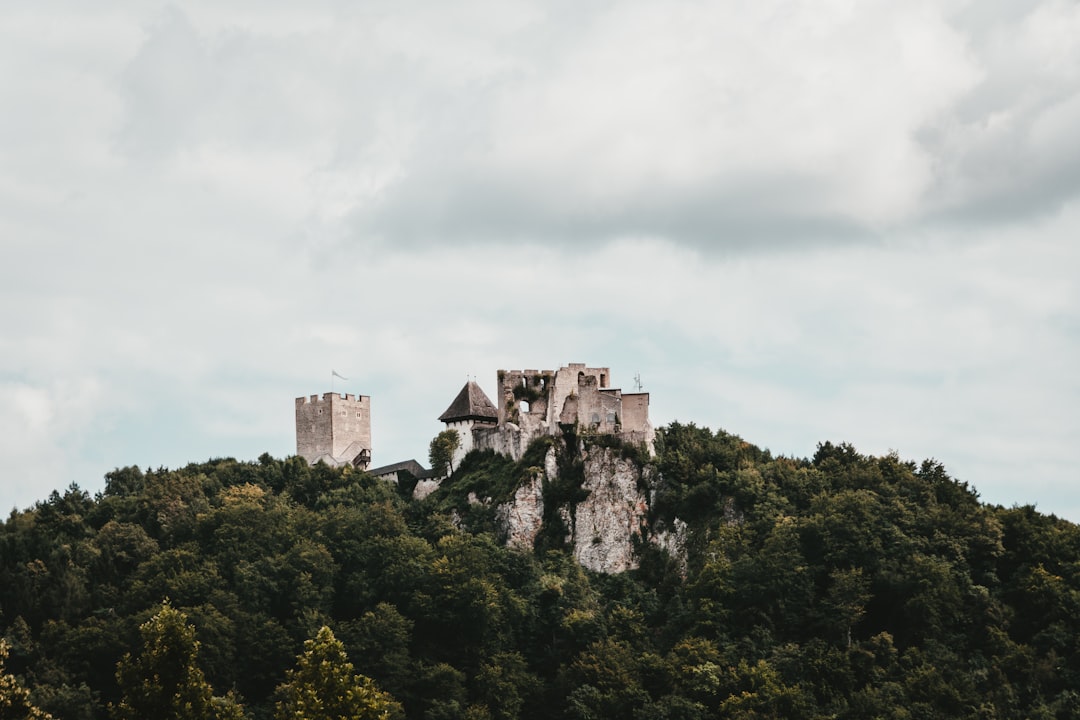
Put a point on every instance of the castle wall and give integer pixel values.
(542, 394)
(504, 439)
(314, 436)
(537, 402)
(466, 437)
(598, 409)
(635, 412)
(568, 381)
(523, 392)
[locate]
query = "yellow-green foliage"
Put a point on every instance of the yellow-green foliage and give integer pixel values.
(15, 699)
(164, 679)
(323, 686)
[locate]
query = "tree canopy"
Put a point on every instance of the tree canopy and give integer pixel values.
(843, 586)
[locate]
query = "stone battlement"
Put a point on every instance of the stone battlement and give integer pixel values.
(328, 397)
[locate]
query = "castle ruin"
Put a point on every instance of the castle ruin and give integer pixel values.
(534, 403)
(336, 428)
(604, 527)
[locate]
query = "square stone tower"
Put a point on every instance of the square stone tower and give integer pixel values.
(334, 428)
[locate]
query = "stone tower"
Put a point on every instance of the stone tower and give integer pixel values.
(471, 409)
(334, 428)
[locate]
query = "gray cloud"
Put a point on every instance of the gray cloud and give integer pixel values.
(712, 126)
(397, 121)
(1007, 150)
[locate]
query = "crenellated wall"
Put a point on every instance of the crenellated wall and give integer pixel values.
(334, 428)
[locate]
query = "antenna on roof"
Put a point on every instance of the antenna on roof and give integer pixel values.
(637, 382)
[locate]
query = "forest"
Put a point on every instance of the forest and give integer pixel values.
(838, 586)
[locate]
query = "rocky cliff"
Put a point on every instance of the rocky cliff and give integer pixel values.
(593, 497)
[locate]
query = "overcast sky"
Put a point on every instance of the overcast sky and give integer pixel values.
(799, 222)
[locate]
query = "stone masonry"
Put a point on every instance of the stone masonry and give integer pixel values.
(334, 428)
(533, 403)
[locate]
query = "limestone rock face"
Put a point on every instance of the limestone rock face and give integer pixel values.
(613, 516)
(520, 518)
(604, 529)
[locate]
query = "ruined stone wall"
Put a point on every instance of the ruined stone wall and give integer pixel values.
(598, 409)
(330, 424)
(535, 399)
(521, 393)
(506, 440)
(568, 381)
(533, 403)
(589, 412)
(635, 412)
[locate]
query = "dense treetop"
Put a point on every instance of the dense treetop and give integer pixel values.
(841, 586)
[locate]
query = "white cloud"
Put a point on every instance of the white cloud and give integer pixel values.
(42, 429)
(823, 102)
(205, 208)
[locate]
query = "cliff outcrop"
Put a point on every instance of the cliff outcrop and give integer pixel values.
(610, 522)
(588, 496)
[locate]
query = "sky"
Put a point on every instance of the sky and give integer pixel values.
(797, 222)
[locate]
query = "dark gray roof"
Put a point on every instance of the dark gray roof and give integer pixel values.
(416, 469)
(470, 404)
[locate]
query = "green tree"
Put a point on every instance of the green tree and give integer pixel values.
(323, 686)
(441, 452)
(849, 591)
(506, 685)
(15, 699)
(164, 680)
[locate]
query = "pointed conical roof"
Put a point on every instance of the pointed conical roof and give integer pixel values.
(470, 404)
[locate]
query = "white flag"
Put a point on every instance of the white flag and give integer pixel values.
(337, 374)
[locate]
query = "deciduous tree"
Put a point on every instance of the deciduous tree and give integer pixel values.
(14, 698)
(441, 452)
(164, 679)
(323, 686)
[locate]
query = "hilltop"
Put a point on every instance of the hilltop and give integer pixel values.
(842, 585)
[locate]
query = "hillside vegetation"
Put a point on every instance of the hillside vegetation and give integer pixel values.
(842, 586)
